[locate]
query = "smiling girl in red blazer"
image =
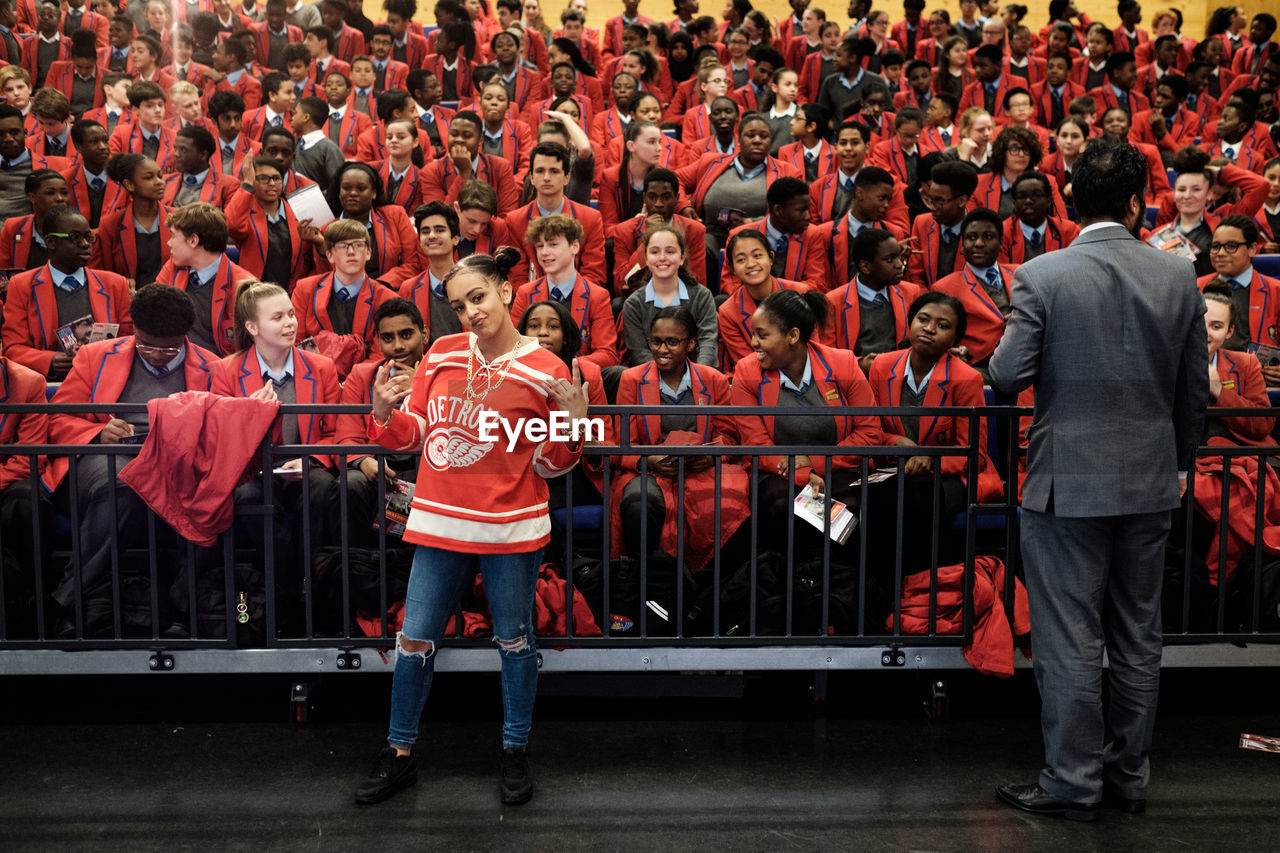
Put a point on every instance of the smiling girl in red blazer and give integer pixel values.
(133, 241)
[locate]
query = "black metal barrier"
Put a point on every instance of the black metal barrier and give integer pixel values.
(337, 591)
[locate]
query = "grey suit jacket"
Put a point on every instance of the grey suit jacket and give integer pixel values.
(1111, 333)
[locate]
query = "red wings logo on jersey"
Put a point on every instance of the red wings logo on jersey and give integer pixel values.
(453, 447)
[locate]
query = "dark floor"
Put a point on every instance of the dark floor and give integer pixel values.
(166, 764)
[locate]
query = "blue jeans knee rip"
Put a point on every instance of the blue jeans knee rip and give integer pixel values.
(401, 651)
(515, 646)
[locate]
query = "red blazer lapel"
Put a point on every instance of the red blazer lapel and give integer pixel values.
(650, 395)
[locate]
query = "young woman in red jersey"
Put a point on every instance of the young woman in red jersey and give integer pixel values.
(480, 502)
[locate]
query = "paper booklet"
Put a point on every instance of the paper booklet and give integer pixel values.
(809, 506)
(399, 496)
(1260, 742)
(309, 203)
(1169, 239)
(83, 331)
(1268, 355)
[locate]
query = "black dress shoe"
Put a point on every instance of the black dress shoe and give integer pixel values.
(391, 773)
(517, 781)
(1129, 805)
(1034, 799)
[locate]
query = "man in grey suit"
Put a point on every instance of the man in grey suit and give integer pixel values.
(1111, 333)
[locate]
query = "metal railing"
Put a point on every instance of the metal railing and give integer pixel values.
(664, 636)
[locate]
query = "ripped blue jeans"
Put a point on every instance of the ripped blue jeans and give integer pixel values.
(436, 585)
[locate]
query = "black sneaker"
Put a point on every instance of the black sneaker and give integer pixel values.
(391, 773)
(517, 781)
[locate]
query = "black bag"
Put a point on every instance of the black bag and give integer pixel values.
(365, 585)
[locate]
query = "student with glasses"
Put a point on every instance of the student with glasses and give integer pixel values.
(1255, 297)
(57, 294)
(274, 245)
(155, 361)
(1031, 231)
(1015, 150)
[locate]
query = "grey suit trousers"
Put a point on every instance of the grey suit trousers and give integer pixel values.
(1095, 582)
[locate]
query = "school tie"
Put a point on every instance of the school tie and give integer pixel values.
(1035, 240)
(556, 294)
(1123, 99)
(228, 152)
(946, 138)
(993, 279)
(809, 158)
(1235, 283)
(1191, 101)
(948, 236)
(190, 180)
(118, 53)
(880, 299)
(302, 145)
(846, 184)
(343, 294)
(71, 284)
(781, 246)
(278, 121)
(193, 280)
(97, 184)
(54, 147)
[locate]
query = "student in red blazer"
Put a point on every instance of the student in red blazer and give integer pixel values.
(975, 93)
(98, 24)
(260, 33)
(589, 306)
(1181, 127)
(21, 385)
(463, 74)
(1260, 326)
(515, 136)
(549, 178)
(229, 276)
(1106, 99)
(128, 138)
(654, 384)
(31, 316)
(1252, 187)
(408, 193)
(62, 75)
(396, 255)
(19, 232)
(311, 298)
(1240, 383)
(702, 174)
(253, 122)
(1250, 57)
(955, 184)
(660, 203)
(793, 155)
(28, 47)
(442, 178)
(190, 159)
(750, 258)
(788, 219)
(94, 151)
(888, 153)
(845, 325)
(980, 235)
(785, 329)
(1032, 208)
(990, 192)
(117, 246)
(1042, 97)
(247, 218)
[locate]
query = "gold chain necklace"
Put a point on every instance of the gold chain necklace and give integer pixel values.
(489, 385)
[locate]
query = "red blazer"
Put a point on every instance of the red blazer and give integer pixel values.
(311, 298)
(1242, 387)
(834, 236)
(248, 226)
(1249, 58)
(613, 35)
(1253, 194)
(841, 383)
(409, 193)
(589, 305)
(975, 95)
(822, 198)
(30, 57)
(517, 142)
(845, 321)
(245, 147)
(441, 182)
(1106, 99)
(590, 259)
(1145, 54)
(31, 313)
(529, 89)
(194, 75)
(217, 188)
(21, 385)
(746, 98)
(906, 97)
(792, 154)
(100, 115)
(350, 44)
(246, 87)
(254, 123)
(315, 381)
(1264, 307)
(1145, 82)
(16, 239)
(675, 154)
(1182, 130)
(222, 311)
(90, 20)
(536, 111)
(734, 320)
(127, 138)
(639, 386)
(354, 123)
(805, 259)
(696, 123)
(62, 74)
(462, 76)
(393, 78)
(396, 246)
(674, 111)
(628, 248)
(371, 144)
(610, 199)
(417, 51)
(922, 267)
(887, 154)
(986, 323)
(709, 167)
(117, 246)
(333, 64)
(98, 375)
(1058, 234)
(953, 383)
(1035, 72)
(1123, 42)
(990, 191)
(1042, 98)
(113, 196)
(606, 126)
(1253, 153)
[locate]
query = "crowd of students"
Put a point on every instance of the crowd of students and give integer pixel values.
(707, 212)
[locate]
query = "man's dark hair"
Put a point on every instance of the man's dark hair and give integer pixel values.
(143, 91)
(872, 176)
(236, 50)
(1177, 84)
(9, 111)
(1037, 178)
(388, 102)
(201, 138)
(226, 102)
(315, 107)
(80, 128)
(162, 311)
(784, 190)
(281, 132)
(981, 214)
(551, 149)
(400, 307)
(1247, 226)
(417, 79)
(437, 208)
(1019, 90)
(1244, 111)
(771, 55)
(1105, 177)
(324, 34)
(1118, 60)
(908, 115)
(990, 52)
(951, 102)
(660, 175)
(960, 178)
(271, 83)
(866, 245)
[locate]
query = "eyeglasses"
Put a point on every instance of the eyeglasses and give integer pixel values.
(87, 237)
(350, 246)
(669, 343)
(269, 179)
(1230, 247)
(1016, 149)
(166, 352)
